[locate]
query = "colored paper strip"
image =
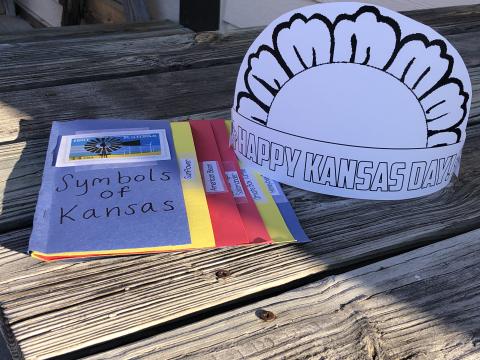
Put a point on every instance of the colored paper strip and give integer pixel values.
(268, 209)
(226, 220)
(252, 220)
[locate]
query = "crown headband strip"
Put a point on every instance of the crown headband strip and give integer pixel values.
(352, 100)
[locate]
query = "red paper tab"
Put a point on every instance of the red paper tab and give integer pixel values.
(227, 223)
(252, 220)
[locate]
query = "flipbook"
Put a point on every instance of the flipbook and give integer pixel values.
(117, 187)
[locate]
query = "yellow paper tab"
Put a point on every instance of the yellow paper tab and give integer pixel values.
(201, 231)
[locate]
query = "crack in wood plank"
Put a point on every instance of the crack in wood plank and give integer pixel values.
(419, 305)
(54, 309)
(22, 165)
(43, 64)
(99, 301)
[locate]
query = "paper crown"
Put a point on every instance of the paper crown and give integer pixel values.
(352, 100)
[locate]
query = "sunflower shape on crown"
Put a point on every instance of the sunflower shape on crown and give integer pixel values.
(354, 80)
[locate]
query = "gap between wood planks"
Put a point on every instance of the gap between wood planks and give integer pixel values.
(22, 158)
(304, 272)
(27, 114)
(92, 31)
(453, 228)
(48, 65)
(422, 304)
(231, 306)
(42, 64)
(468, 221)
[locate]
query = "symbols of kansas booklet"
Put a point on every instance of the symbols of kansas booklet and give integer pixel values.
(118, 187)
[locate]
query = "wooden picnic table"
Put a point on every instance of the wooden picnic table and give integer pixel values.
(381, 280)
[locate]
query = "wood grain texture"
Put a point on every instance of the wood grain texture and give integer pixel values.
(151, 96)
(25, 121)
(154, 96)
(90, 31)
(94, 99)
(40, 64)
(124, 54)
(54, 309)
(445, 15)
(420, 305)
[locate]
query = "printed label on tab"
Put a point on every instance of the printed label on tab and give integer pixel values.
(235, 184)
(253, 186)
(271, 186)
(187, 168)
(212, 178)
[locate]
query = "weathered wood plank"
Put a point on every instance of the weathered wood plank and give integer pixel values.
(43, 105)
(116, 43)
(57, 308)
(150, 95)
(447, 20)
(420, 305)
(40, 64)
(50, 307)
(446, 15)
(25, 118)
(89, 31)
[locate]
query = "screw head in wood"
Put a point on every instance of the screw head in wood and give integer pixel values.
(222, 273)
(265, 315)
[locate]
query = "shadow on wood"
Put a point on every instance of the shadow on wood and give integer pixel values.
(86, 308)
(4, 352)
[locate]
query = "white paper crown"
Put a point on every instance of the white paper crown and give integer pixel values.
(352, 100)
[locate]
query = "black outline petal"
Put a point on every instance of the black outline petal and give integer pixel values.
(446, 78)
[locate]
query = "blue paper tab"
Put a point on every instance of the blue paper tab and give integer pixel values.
(286, 210)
